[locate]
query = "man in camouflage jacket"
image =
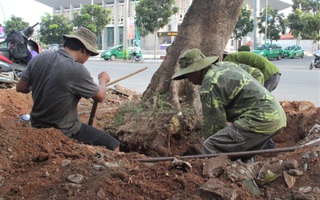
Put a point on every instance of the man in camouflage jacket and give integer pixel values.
(270, 72)
(230, 94)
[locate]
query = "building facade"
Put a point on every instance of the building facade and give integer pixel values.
(117, 32)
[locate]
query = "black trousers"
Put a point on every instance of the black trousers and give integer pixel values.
(93, 136)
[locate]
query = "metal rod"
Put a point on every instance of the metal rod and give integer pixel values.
(315, 142)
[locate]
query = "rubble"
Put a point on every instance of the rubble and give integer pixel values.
(45, 164)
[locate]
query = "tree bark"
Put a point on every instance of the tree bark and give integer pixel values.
(207, 25)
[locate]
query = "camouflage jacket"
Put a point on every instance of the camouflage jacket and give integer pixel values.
(254, 60)
(254, 72)
(230, 94)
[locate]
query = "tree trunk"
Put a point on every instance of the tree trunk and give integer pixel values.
(207, 25)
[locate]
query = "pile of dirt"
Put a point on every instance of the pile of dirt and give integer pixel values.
(44, 164)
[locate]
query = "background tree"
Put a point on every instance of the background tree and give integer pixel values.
(306, 5)
(15, 23)
(151, 15)
(244, 25)
(275, 24)
(93, 17)
(53, 27)
(205, 26)
(306, 19)
(295, 23)
(312, 27)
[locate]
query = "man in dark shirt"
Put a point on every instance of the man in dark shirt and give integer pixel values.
(58, 80)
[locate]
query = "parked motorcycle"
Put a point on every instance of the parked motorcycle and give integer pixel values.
(13, 59)
(315, 63)
(135, 58)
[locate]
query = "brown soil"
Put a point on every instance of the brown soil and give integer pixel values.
(44, 164)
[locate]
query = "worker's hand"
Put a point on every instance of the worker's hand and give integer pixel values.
(104, 76)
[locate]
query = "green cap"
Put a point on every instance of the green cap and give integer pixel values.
(192, 61)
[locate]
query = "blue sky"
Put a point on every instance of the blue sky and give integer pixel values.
(29, 10)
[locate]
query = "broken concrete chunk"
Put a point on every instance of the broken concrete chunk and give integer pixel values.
(238, 173)
(214, 166)
(127, 92)
(182, 165)
(216, 189)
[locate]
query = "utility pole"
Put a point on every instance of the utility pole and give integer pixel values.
(256, 6)
(4, 18)
(266, 28)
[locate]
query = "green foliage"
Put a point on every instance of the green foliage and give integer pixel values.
(295, 22)
(15, 23)
(130, 108)
(156, 107)
(305, 20)
(244, 48)
(151, 15)
(306, 5)
(93, 17)
(53, 27)
(244, 24)
(276, 23)
(312, 26)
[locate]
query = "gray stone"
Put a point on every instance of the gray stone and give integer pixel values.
(310, 155)
(1, 180)
(305, 189)
(98, 167)
(65, 163)
(316, 190)
(295, 172)
(301, 196)
(292, 164)
(76, 178)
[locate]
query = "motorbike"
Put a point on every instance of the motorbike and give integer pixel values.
(135, 58)
(315, 63)
(10, 66)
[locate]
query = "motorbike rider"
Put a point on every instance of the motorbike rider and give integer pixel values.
(317, 56)
(136, 51)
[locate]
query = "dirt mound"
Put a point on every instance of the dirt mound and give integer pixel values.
(44, 164)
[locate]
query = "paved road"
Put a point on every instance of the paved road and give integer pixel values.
(297, 81)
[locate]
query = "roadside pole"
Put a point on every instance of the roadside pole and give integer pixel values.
(125, 29)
